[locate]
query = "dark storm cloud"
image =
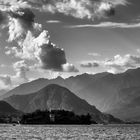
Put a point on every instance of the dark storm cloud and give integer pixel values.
(52, 57)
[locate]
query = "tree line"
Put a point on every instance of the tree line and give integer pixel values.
(55, 117)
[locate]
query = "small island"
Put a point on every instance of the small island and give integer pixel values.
(47, 117)
(55, 117)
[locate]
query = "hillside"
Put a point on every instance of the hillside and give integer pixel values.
(55, 97)
(104, 90)
(7, 109)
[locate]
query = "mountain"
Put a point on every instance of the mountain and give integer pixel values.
(55, 97)
(106, 91)
(129, 105)
(27, 88)
(75, 84)
(7, 109)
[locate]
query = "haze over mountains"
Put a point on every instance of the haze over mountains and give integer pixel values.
(55, 97)
(116, 94)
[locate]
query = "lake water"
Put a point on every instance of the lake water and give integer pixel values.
(94, 132)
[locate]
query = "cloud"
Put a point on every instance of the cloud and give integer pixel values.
(18, 19)
(52, 57)
(107, 25)
(89, 9)
(20, 22)
(10, 5)
(69, 68)
(25, 15)
(21, 68)
(43, 51)
(122, 63)
(30, 48)
(105, 9)
(39, 48)
(89, 64)
(117, 64)
(53, 21)
(33, 42)
(5, 82)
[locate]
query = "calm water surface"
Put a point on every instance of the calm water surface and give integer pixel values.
(94, 132)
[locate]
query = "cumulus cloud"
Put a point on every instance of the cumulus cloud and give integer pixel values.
(33, 42)
(18, 18)
(40, 48)
(122, 63)
(117, 64)
(25, 15)
(69, 68)
(20, 21)
(105, 9)
(89, 64)
(30, 47)
(21, 68)
(5, 82)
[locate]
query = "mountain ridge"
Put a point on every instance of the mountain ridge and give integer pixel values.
(104, 90)
(55, 97)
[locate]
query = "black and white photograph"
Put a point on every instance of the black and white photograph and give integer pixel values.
(69, 69)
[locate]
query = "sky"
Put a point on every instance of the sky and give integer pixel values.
(50, 38)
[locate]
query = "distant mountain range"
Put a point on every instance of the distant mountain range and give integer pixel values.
(55, 97)
(117, 94)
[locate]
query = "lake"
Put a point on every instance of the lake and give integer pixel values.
(65, 132)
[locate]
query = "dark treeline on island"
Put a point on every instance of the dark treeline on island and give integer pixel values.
(47, 117)
(55, 117)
